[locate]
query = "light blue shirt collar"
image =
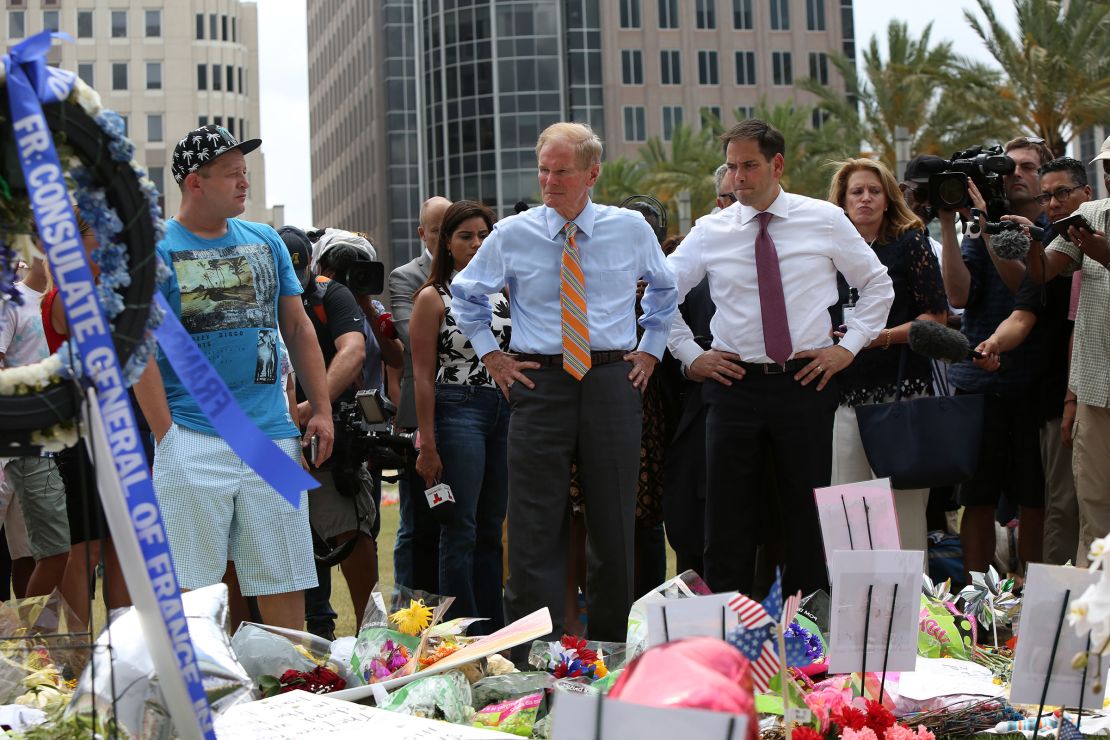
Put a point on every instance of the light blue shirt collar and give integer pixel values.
(584, 220)
(779, 207)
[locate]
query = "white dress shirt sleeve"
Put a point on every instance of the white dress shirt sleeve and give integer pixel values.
(689, 270)
(864, 272)
(660, 302)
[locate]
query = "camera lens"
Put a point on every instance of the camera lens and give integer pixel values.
(952, 192)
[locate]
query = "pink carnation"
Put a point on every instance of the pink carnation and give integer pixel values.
(900, 732)
(823, 703)
(865, 734)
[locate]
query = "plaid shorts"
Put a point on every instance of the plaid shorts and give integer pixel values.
(217, 509)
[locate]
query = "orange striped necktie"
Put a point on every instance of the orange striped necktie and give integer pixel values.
(572, 299)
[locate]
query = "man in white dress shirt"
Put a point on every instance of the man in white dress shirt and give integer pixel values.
(772, 260)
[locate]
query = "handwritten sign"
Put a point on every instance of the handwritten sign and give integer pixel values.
(858, 516)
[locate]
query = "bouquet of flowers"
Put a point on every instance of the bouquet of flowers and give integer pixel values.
(836, 717)
(281, 660)
(573, 657)
(392, 640)
(319, 680)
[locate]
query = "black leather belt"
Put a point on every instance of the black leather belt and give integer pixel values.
(774, 368)
(603, 357)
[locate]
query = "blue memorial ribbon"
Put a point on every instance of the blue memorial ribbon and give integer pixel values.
(32, 83)
(216, 401)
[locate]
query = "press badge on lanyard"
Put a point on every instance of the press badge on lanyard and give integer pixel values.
(849, 308)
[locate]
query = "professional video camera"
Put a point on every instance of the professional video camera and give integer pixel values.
(365, 421)
(352, 261)
(948, 186)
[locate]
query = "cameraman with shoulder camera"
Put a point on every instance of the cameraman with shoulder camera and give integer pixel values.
(983, 283)
(342, 272)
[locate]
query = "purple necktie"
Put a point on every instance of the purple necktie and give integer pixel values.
(772, 302)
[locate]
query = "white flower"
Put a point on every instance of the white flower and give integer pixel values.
(86, 97)
(56, 438)
(30, 378)
(1100, 549)
(1091, 612)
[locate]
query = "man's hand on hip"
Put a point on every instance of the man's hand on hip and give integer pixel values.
(824, 363)
(505, 370)
(716, 365)
(643, 365)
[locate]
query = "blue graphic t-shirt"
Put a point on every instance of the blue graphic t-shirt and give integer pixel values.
(225, 292)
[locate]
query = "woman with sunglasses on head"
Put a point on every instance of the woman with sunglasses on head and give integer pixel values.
(870, 197)
(464, 423)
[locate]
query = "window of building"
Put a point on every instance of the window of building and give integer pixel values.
(157, 176)
(231, 125)
(153, 75)
(630, 13)
(818, 118)
(780, 15)
(745, 111)
(126, 125)
(119, 24)
(672, 117)
(212, 21)
(153, 24)
(782, 68)
(815, 15)
(234, 30)
(200, 26)
(217, 78)
(635, 123)
(710, 112)
(202, 76)
(154, 127)
(668, 13)
(707, 68)
(84, 24)
(223, 27)
(230, 72)
(218, 120)
(745, 68)
(202, 121)
(670, 67)
(742, 15)
(17, 24)
(85, 72)
(705, 12)
(50, 20)
(242, 90)
(119, 75)
(819, 67)
(632, 67)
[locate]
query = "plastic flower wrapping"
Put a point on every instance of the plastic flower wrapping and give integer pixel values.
(683, 586)
(279, 659)
(126, 670)
(575, 658)
(396, 633)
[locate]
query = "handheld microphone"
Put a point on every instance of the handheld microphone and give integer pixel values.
(938, 342)
(1011, 245)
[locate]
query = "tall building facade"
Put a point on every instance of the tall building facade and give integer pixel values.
(413, 98)
(166, 66)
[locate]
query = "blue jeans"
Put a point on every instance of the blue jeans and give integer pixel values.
(472, 427)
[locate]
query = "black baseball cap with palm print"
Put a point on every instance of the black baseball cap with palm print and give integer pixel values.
(203, 145)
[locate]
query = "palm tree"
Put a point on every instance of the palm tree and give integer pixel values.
(619, 179)
(688, 166)
(907, 89)
(1057, 66)
(811, 154)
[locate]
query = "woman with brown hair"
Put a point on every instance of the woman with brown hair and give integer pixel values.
(464, 424)
(871, 199)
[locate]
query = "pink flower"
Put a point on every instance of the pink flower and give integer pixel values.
(865, 734)
(823, 703)
(899, 732)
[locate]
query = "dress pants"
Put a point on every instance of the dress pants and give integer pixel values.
(1061, 506)
(416, 550)
(771, 415)
(597, 421)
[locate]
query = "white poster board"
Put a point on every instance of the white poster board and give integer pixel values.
(893, 578)
(576, 718)
(300, 714)
(857, 516)
(697, 616)
(1045, 586)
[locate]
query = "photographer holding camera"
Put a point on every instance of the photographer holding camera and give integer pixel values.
(983, 283)
(353, 332)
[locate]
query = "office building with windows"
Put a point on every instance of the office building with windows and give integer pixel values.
(166, 67)
(412, 98)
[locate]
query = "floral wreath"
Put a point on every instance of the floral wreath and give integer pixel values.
(37, 405)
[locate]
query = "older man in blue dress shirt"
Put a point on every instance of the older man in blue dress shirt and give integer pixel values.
(574, 376)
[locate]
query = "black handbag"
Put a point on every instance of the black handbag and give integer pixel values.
(923, 442)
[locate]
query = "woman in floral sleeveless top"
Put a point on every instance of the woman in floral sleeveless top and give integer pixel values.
(464, 424)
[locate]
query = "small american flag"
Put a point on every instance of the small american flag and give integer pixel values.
(1068, 731)
(756, 636)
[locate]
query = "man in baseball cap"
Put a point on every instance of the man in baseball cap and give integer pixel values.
(915, 185)
(233, 286)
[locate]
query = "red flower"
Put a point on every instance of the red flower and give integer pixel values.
(879, 717)
(570, 642)
(806, 733)
(849, 718)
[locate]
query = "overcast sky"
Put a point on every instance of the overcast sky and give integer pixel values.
(284, 80)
